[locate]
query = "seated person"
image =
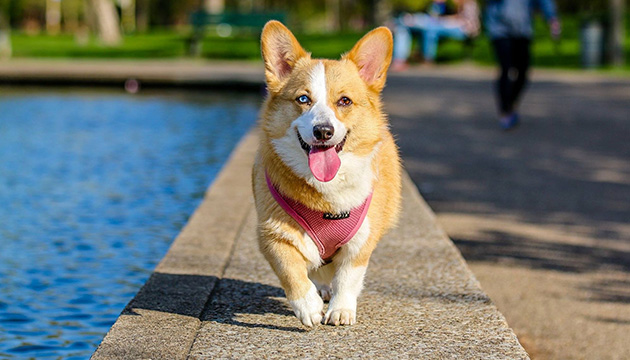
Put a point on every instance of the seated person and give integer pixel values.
(432, 26)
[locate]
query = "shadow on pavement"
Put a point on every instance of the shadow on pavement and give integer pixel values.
(211, 299)
(610, 291)
(567, 166)
(499, 246)
(172, 293)
(236, 297)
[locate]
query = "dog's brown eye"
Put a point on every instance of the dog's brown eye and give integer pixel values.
(344, 101)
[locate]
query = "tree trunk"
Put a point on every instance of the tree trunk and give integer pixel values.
(616, 34)
(142, 15)
(71, 14)
(107, 23)
(332, 15)
(379, 12)
(214, 6)
(347, 12)
(5, 36)
(53, 16)
(128, 14)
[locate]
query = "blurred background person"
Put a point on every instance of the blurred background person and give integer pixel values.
(431, 26)
(509, 26)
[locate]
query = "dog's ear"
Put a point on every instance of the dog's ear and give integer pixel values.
(372, 55)
(280, 51)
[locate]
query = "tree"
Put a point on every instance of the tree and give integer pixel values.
(71, 11)
(142, 15)
(379, 12)
(214, 6)
(106, 21)
(5, 35)
(616, 35)
(128, 15)
(53, 16)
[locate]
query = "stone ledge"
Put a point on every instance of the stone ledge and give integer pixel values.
(158, 73)
(214, 295)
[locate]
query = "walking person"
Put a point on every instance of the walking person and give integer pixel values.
(509, 26)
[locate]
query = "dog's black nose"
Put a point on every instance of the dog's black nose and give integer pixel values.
(323, 132)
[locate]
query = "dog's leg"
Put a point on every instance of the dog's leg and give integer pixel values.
(350, 266)
(291, 268)
(346, 285)
(322, 277)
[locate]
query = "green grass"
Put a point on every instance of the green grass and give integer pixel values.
(155, 45)
(168, 44)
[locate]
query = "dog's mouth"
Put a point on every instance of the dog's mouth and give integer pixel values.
(307, 148)
(323, 160)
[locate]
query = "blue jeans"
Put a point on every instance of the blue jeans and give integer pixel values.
(431, 30)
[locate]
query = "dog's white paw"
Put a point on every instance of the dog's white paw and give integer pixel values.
(309, 309)
(325, 291)
(340, 317)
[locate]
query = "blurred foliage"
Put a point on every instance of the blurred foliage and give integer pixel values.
(414, 5)
(325, 27)
(167, 43)
(170, 12)
(582, 6)
(308, 16)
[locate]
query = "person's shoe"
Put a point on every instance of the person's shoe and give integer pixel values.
(509, 122)
(399, 65)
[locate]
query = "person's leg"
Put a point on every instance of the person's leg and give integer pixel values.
(402, 42)
(521, 60)
(402, 47)
(503, 53)
(406, 25)
(505, 85)
(430, 38)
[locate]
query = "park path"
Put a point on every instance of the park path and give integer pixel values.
(541, 214)
(214, 295)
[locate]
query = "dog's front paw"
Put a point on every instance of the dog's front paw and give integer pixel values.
(340, 317)
(309, 309)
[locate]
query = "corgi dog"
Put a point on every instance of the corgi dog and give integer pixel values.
(327, 175)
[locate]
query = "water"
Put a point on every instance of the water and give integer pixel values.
(93, 189)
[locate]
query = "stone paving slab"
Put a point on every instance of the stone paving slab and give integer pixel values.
(214, 295)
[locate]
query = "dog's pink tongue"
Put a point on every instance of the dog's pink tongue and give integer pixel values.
(324, 162)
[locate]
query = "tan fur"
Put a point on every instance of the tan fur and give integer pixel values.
(287, 68)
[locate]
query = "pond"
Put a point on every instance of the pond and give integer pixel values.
(94, 187)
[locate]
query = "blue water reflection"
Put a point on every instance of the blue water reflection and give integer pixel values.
(93, 188)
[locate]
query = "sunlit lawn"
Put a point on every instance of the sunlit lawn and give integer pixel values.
(168, 44)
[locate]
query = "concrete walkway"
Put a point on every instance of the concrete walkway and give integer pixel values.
(541, 214)
(214, 295)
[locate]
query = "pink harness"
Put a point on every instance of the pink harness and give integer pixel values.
(328, 231)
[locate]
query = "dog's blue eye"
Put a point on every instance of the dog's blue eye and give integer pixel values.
(303, 99)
